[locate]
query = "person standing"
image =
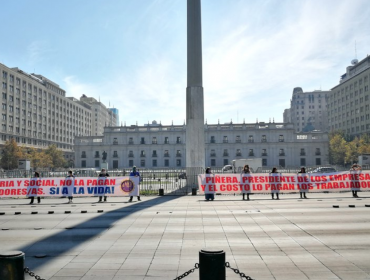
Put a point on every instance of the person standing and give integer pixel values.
(302, 194)
(135, 173)
(36, 177)
(209, 196)
(104, 174)
(246, 170)
(274, 170)
(70, 176)
(355, 167)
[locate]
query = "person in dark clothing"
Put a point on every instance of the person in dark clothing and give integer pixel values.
(302, 194)
(246, 170)
(70, 175)
(209, 196)
(274, 170)
(35, 176)
(355, 167)
(135, 173)
(103, 173)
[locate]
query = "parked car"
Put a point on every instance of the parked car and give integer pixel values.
(227, 169)
(323, 170)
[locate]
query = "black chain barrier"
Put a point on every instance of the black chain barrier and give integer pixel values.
(32, 274)
(196, 266)
(241, 274)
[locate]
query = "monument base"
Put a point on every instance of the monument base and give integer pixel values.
(104, 165)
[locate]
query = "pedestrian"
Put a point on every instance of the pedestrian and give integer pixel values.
(209, 196)
(70, 176)
(36, 177)
(302, 194)
(135, 173)
(103, 173)
(355, 167)
(274, 170)
(246, 170)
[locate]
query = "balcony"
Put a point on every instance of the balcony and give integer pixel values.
(317, 153)
(225, 141)
(302, 154)
(115, 142)
(83, 156)
(250, 141)
(225, 154)
(264, 154)
(142, 142)
(154, 155)
(97, 156)
(213, 141)
(142, 155)
(115, 155)
(131, 142)
(281, 154)
(213, 154)
(166, 155)
(251, 154)
(178, 155)
(238, 154)
(131, 155)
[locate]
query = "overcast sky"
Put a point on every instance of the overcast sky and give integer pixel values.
(132, 53)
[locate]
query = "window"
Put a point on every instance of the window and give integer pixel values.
(130, 154)
(238, 153)
(166, 162)
(250, 139)
(226, 161)
(225, 139)
(83, 163)
(166, 140)
(281, 152)
(213, 162)
(131, 163)
(317, 152)
(178, 162)
(263, 139)
(238, 139)
(264, 152)
(83, 155)
(131, 141)
(97, 163)
(97, 154)
(115, 154)
(318, 161)
(142, 140)
(178, 140)
(154, 140)
(213, 153)
(178, 153)
(154, 154)
(251, 153)
(142, 154)
(226, 153)
(213, 140)
(282, 162)
(303, 161)
(115, 164)
(142, 163)
(115, 141)
(303, 153)
(166, 153)
(264, 162)
(154, 163)
(281, 138)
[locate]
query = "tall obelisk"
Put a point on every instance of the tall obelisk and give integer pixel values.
(195, 146)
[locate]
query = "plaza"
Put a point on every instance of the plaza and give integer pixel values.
(160, 237)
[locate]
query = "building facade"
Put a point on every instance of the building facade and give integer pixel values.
(162, 146)
(36, 112)
(349, 101)
(114, 116)
(308, 110)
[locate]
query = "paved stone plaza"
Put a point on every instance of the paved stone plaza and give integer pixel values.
(160, 237)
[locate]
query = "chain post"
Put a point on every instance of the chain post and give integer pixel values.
(186, 273)
(237, 271)
(32, 274)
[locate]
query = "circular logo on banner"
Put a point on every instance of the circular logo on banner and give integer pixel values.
(127, 186)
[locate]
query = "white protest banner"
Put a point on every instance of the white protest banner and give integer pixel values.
(70, 186)
(284, 182)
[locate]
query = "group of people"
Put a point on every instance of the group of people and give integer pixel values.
(247, 170)
(103, 173)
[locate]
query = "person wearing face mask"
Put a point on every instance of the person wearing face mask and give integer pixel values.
(104, 174)
(135, 173)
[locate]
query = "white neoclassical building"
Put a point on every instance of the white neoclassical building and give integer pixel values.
(162, 146)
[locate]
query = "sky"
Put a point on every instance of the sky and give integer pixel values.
(131, 54)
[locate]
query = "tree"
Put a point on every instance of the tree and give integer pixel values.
(337, 148)
(56, 156)
(11, 154)
(39, 159)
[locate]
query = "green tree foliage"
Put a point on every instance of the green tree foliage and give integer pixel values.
(345, 151)
(57, 159)
(11, 153)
